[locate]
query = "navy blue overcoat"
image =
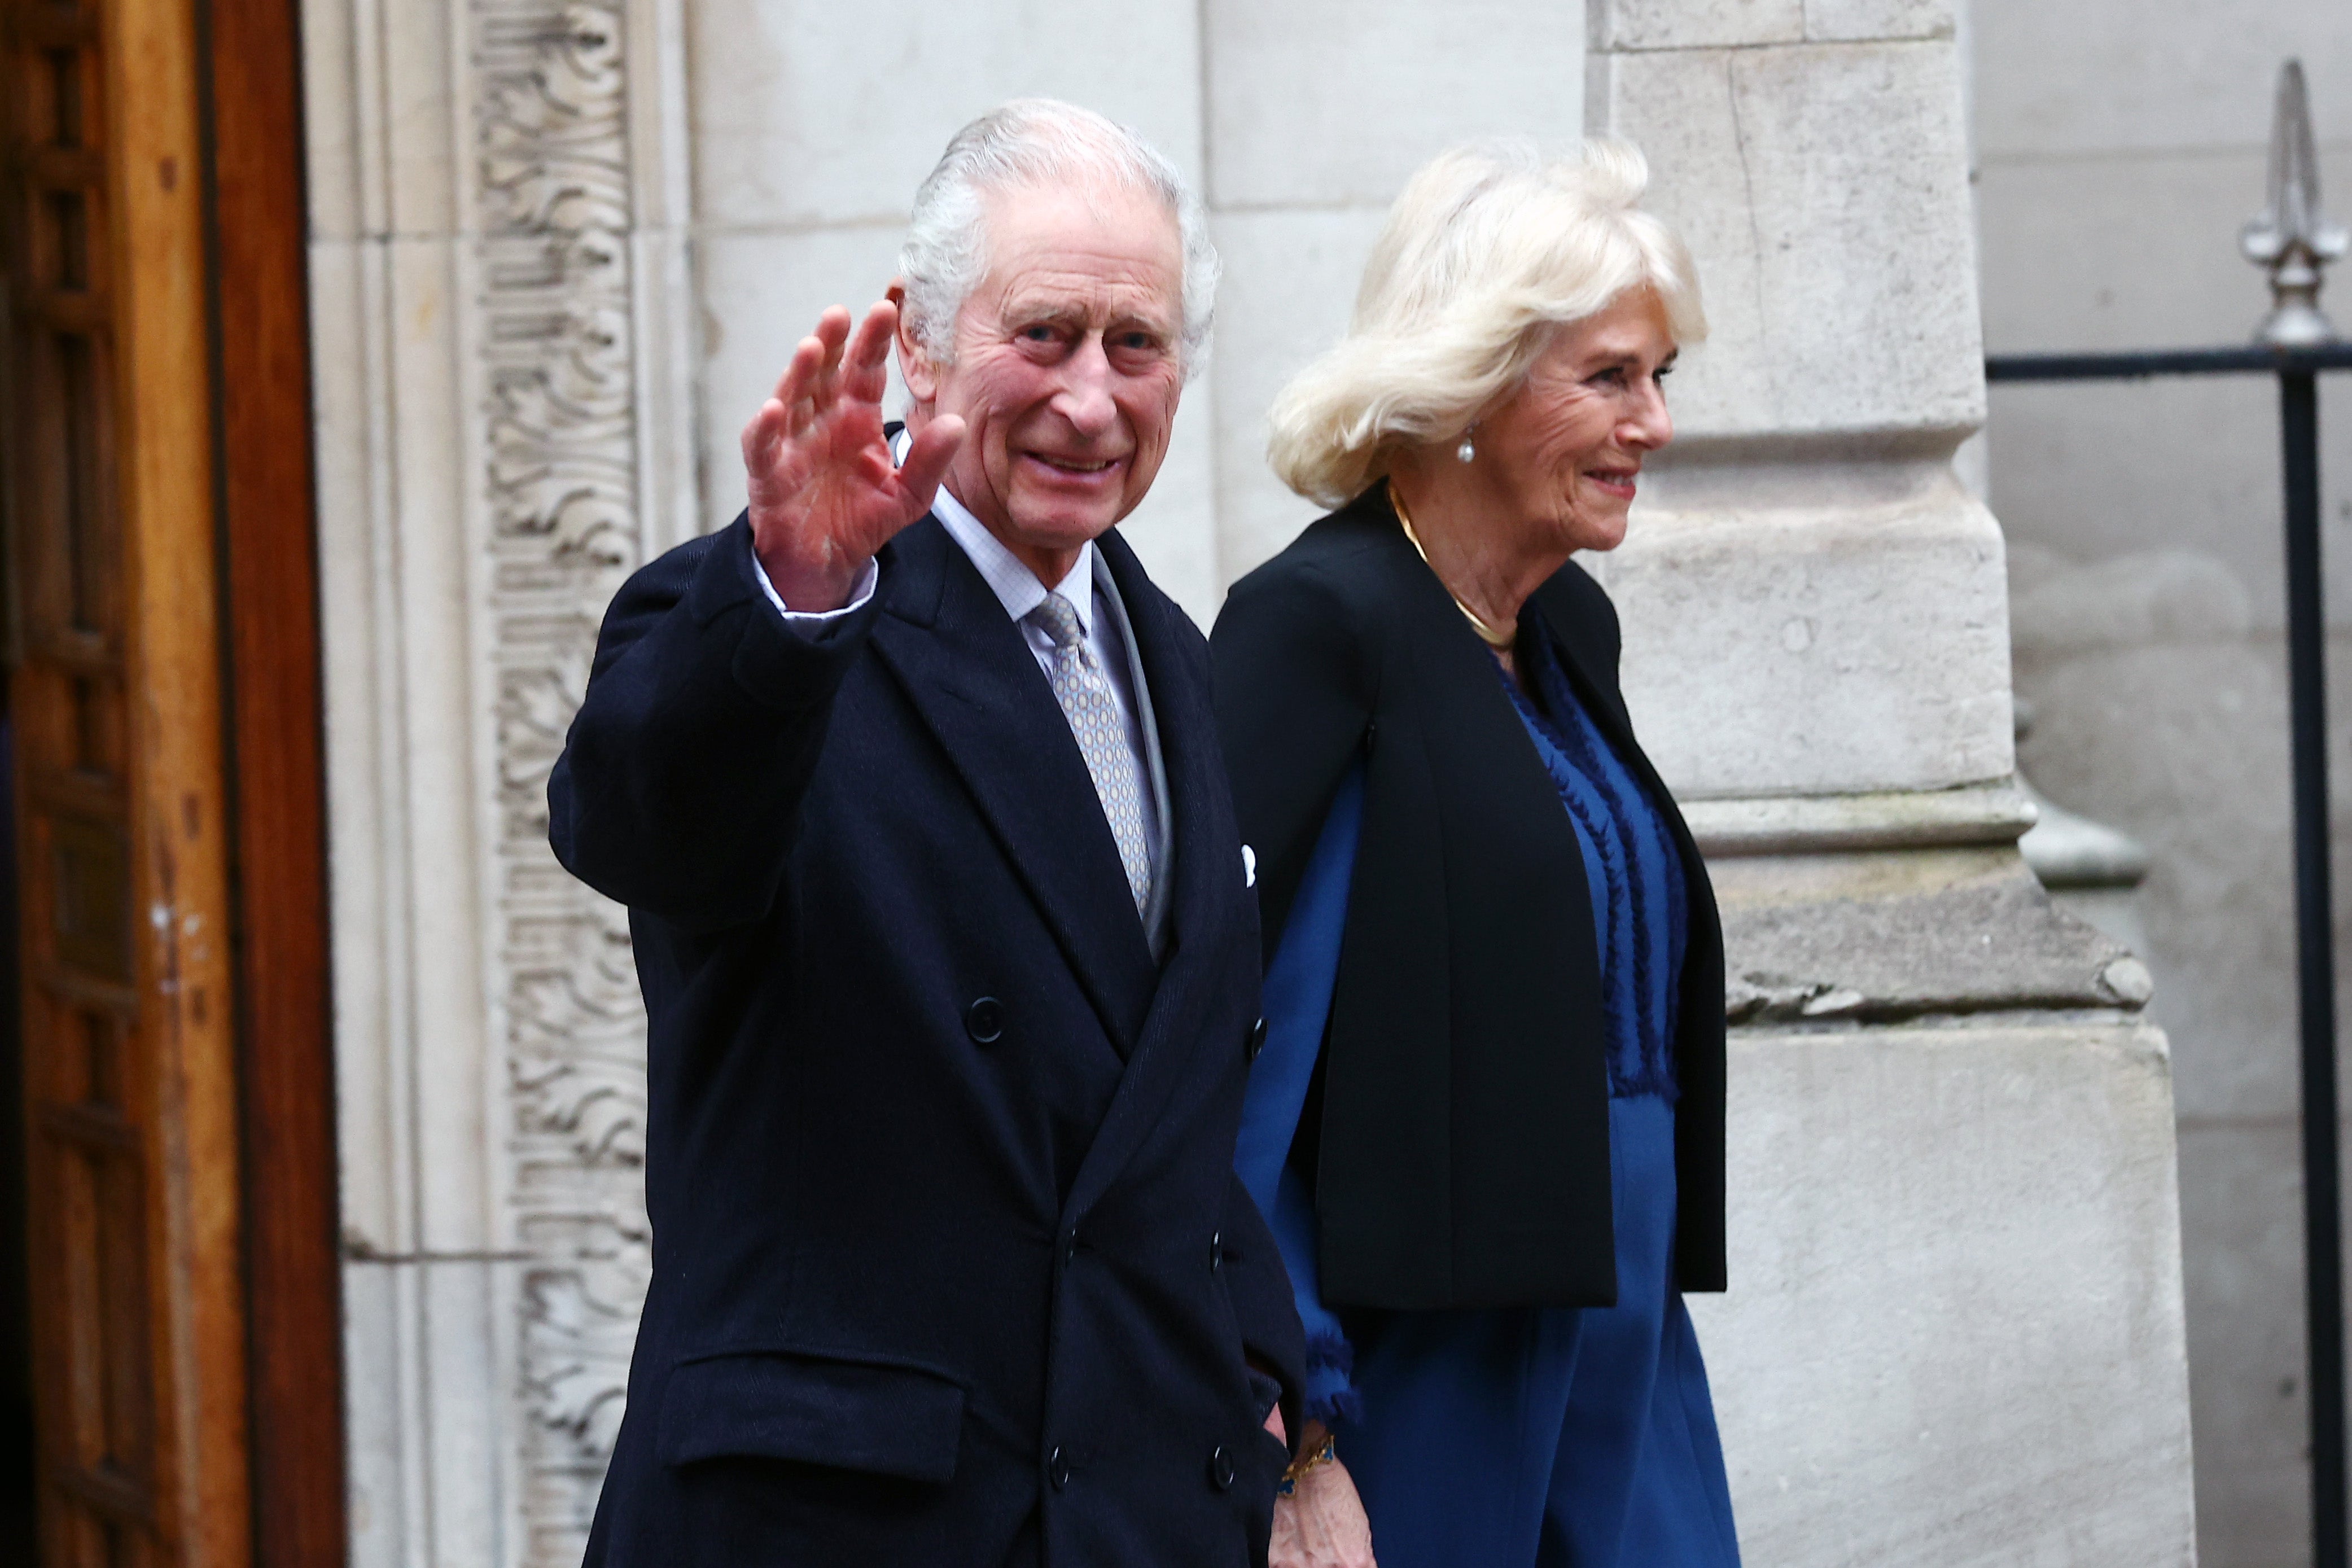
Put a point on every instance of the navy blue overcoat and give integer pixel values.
(950, 1265)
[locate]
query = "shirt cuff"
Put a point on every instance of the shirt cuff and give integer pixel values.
(1330, 1394)
(809, 620)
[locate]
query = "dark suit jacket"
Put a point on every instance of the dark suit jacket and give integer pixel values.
(947, 1246)
(1460, 1154)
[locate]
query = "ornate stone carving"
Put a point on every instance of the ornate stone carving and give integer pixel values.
(554, 218)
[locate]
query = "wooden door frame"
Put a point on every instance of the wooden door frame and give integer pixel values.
(132, 1112)
(216, 1110)
(211, 336)
(275, 750)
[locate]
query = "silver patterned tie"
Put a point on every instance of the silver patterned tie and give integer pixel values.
(1083, 691)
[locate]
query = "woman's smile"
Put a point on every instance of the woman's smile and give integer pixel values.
(1618, 482)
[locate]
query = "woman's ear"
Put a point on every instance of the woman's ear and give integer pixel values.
(915, 366)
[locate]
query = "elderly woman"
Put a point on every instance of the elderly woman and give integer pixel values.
(1487, 1118)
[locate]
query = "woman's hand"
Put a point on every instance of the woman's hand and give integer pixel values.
(825, 495)
(1322, 1525)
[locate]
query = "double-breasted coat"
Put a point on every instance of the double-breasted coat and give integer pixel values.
(949, 1262)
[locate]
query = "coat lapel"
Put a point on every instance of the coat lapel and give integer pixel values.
(1204, 870)
(964, 664)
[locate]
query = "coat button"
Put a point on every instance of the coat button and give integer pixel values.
(984, 1020)
(1058, 1469)
(1257, 1039)
(1221, 1468)
(1070, 1246)
(1216, 1252)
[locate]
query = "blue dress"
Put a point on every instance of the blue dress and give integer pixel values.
(1519, 1436)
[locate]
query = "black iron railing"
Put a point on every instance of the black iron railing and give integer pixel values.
(2297, 370)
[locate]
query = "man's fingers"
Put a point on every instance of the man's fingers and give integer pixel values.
(865, 376)
(792, 386)
(832, 332)
(825, 365)
(759, 439)
(795, 388)
(927, 458)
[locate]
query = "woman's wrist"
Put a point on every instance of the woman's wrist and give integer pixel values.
(1316, 1450)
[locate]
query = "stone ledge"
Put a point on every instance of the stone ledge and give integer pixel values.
(1984, 813)
(1889, 936)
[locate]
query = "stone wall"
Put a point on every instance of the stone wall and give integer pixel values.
(561, 248)
(2120, 152)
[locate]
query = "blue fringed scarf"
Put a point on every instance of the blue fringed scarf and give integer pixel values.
(1632, 868)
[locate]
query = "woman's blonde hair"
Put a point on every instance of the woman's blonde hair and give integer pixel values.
(1489, 251)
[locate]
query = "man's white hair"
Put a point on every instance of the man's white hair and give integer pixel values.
(1491, 249)
(1038, 142)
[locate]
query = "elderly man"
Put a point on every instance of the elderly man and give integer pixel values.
(910, 782)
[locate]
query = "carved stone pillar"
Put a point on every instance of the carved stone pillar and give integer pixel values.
(1954, 1332)
(499, 195)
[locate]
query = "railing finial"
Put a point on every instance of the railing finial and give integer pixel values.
(2291, 238)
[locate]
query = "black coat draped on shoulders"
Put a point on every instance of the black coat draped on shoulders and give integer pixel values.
(1462, 1155)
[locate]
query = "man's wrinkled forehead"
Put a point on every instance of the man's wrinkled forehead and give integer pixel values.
(1057, 251)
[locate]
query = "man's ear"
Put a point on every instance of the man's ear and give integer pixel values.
(915, 366)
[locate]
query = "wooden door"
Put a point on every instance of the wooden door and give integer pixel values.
(130, 1084)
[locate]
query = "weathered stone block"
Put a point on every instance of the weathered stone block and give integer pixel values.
(1866, 21)
(1895, 934)
(1954, 1330)
(1323, 102)
(1822, 193)
(1703, 24)
(1862, 645)
(807, 113)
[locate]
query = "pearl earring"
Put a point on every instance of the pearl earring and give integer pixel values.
(1465, 452)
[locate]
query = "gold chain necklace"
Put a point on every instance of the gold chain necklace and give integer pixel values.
(1500, 641)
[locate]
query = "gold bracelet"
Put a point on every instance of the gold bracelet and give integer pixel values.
(1325, 1455)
